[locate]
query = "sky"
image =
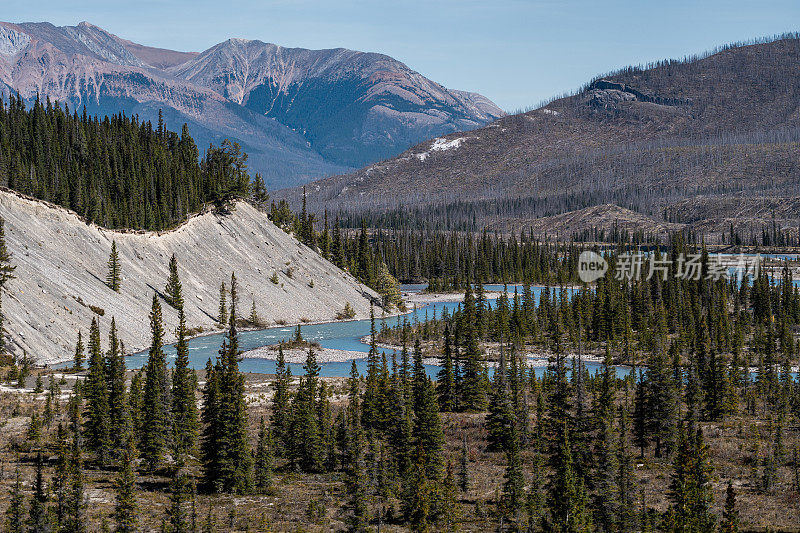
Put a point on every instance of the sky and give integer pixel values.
(516, 52)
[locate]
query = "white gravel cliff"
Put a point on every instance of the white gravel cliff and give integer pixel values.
(62, 266)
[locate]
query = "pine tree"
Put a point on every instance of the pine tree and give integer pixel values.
(473, 391)
(98, 415)
(233, 469)
(6, 268)
(427, 434)
(114, 276)
(730, 516)
(15, 514)
(119, 413)
(6, 274)
(155, 400)
(446, 382)
(222, 314)
(263, 458)
(184, 404)
(450, 511)
(173, 290)
(279, 420)
(307, 447)
(74, 503)
(38, 517)
(126, 508)
(176, 512)
(79, 354)
(567, 498)
(500, 419)
(210, 417)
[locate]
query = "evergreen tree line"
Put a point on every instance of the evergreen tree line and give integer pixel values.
(118, 171)
(444, 259)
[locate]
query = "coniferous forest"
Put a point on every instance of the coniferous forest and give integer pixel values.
(117, 171)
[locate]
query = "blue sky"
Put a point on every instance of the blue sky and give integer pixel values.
(515, 52)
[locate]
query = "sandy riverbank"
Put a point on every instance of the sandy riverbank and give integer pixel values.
(426, 298)
(324, 355)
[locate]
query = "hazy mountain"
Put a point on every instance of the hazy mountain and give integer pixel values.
(299, 113)
(722, 125)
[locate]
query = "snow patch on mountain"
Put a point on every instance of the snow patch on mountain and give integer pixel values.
(440, 145)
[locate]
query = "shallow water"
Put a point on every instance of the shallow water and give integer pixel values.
(336, 335)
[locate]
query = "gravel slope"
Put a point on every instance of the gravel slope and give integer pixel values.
(61, 268)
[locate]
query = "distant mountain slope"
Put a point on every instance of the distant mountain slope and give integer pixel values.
(642, 138)
(353, 107)
(298, 113)
(61, 268)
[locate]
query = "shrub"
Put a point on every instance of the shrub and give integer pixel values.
(348, 312)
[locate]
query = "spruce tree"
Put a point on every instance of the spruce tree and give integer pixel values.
(114, 276)
(427, 434)
(446, 379)
(74, 504)
(184, 404)
(263, 458)
(279, 420)
(500, 419)
(690, 490)
(125, 506)
(450, 512)
(136, 407)
(357, 513)
(222, 313)
(6, 268)
(79, 353)
(155, 400)
(178, 518)
(98, 414)
(119, 413)
(567, 499)
(474, 385)
(15, 514)
(38, 517)
(173, 290)
(307, 447)
(514, 482)
(463, 471)
(6, 274)
(210, 417)
(730, 516)
(234, 460)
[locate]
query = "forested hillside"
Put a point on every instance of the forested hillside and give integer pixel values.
(712, 128)
(116, 171)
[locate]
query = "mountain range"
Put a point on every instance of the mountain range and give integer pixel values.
(704, 142)
(300, 114)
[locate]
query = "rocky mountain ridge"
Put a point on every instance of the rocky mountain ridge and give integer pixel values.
(299, 113)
